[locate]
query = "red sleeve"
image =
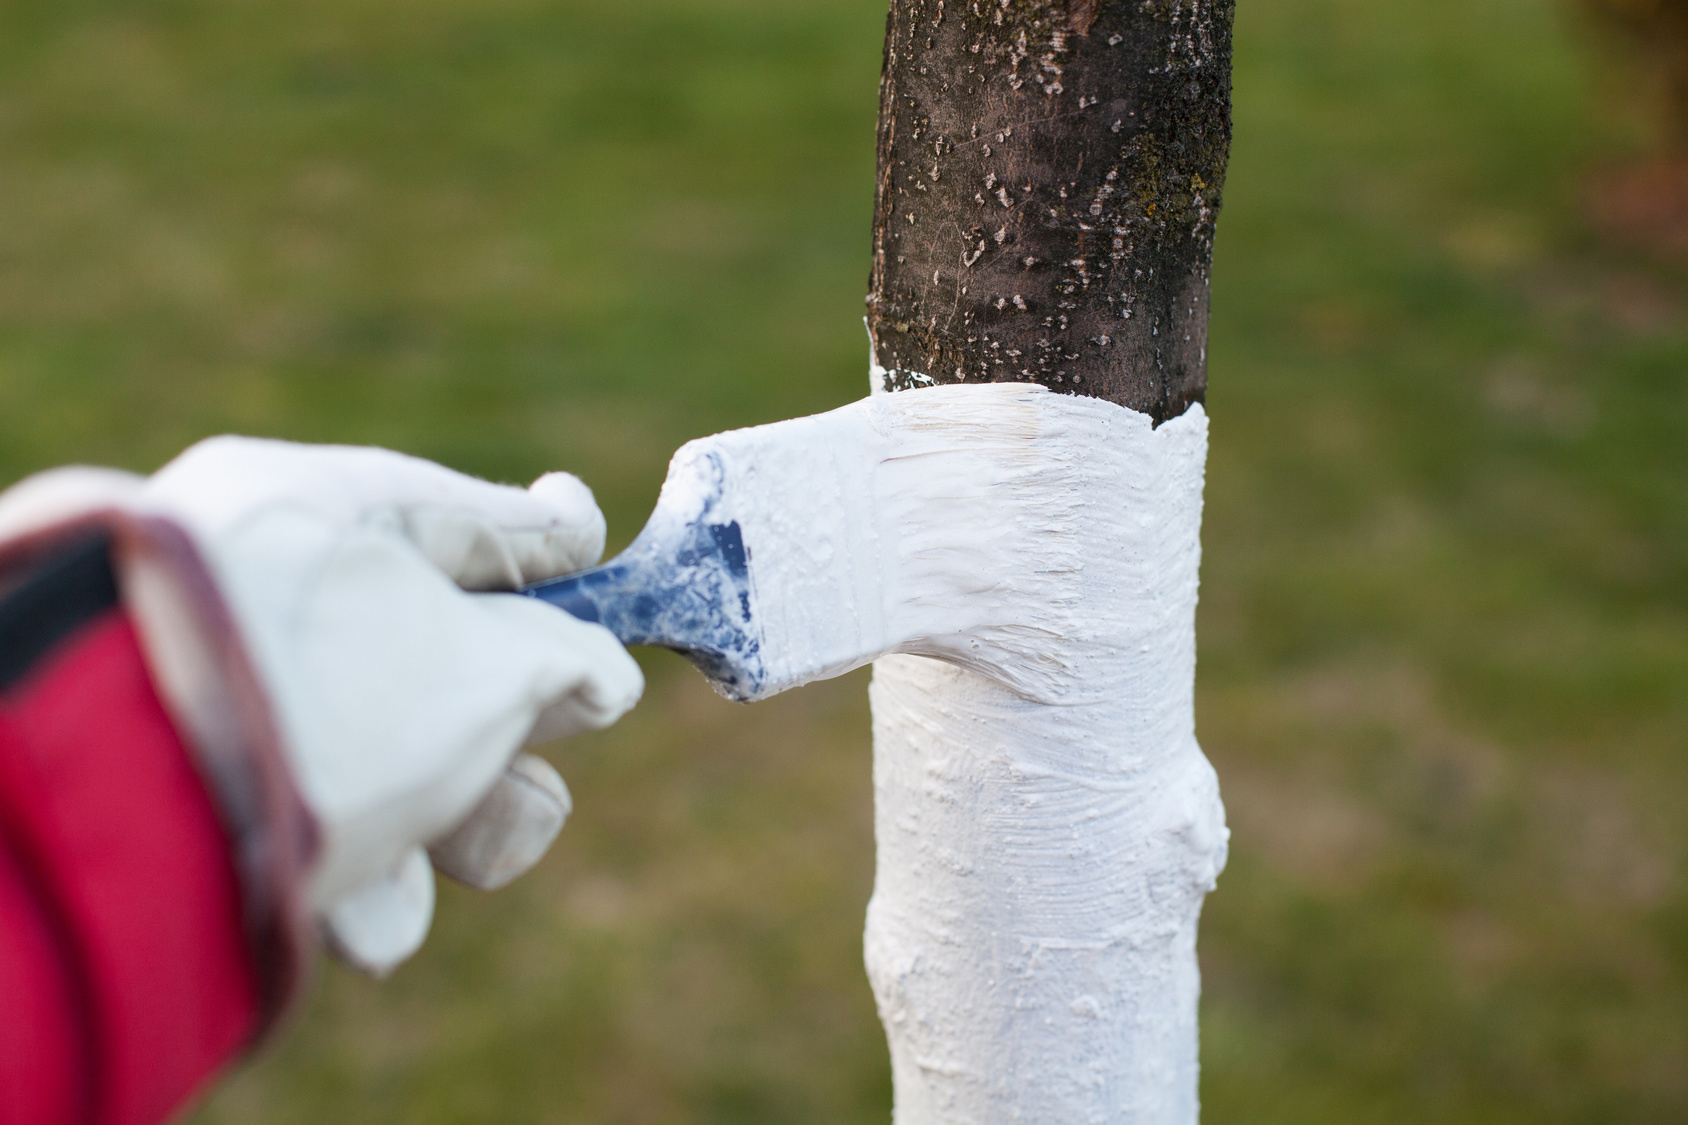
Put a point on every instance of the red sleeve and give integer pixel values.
(125, 978)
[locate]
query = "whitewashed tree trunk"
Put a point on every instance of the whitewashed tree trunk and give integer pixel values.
(1041, 866)
(1049, 178)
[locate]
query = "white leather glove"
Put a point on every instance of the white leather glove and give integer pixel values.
(402, 690)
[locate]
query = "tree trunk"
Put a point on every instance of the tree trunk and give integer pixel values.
(1049, 175)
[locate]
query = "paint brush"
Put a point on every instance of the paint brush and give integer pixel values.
(949, 522)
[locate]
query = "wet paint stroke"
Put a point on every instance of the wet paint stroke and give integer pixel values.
(953, 523)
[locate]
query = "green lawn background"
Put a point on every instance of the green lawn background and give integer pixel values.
(1444, 653)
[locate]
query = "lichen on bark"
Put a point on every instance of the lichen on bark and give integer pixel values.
(1049, 176)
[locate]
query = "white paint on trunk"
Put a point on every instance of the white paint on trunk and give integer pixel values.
(1043, 854)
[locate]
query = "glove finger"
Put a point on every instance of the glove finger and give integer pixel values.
(509, 830)
(384, 921)
(422, 694)
(485, 536)
(606, 686)
(517, 537)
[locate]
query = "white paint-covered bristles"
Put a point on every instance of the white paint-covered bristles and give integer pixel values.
(952, 523)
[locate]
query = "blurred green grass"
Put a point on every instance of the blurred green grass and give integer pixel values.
(1444, 651)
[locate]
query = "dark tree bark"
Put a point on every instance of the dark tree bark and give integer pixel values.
(1049, 176)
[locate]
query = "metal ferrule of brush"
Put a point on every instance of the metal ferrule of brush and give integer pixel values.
(683, 584)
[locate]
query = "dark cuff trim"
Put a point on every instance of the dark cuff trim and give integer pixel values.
(52, 601)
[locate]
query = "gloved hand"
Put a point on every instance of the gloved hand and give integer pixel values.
(358, 582)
